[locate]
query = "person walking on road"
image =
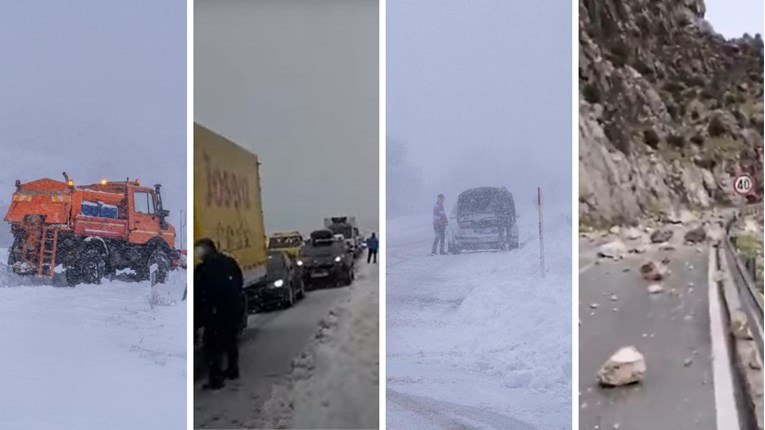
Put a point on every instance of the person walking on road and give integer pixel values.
(440, 221)
(219, 283)
(372, 245)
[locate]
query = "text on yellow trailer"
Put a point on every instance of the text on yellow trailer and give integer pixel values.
(227, 203)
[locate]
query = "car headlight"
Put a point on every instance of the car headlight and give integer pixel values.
(278, 283)
(300, 262)
(337, 259)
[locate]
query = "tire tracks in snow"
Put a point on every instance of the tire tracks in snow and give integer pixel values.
(453, 416)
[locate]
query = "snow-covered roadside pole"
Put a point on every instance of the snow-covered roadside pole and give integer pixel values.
(154, 285)
(541, 241)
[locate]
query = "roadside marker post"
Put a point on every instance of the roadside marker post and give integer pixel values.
(154, 285)
(541, 240)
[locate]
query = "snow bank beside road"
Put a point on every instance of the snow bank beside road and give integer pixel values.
(523, 322)
(93, 356)
(335, 381)
(484, 322)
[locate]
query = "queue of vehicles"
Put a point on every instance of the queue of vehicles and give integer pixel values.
(278, 270)
(295, 265)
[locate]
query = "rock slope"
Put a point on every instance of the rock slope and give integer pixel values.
(670, 111)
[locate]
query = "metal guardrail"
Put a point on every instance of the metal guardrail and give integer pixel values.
(751, 299)
(745, 319)
(752, 210)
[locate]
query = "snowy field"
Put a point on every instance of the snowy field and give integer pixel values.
(93, 356)
(334, 383)
(478, 340)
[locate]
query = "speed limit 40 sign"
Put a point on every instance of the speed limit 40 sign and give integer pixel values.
(744, 184)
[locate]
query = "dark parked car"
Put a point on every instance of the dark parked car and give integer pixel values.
(282, 286)
(326, 260)
(483, 218)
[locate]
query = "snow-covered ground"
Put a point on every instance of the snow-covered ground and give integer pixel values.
(334, 382)
(479, 339)
(93, 356)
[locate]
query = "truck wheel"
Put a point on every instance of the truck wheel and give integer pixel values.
(513, 243)
(90, 268)
(72, 277)
(290, 298)
(162, 260)
(301, 293)
(14, 251)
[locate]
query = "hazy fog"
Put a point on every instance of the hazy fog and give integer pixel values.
(96, 89)
(480, 92)
(734, 18)
(296, 81)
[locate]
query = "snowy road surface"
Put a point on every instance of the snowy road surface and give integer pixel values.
(320, 355)
(478, 340)
(93, 356)
(671, 329)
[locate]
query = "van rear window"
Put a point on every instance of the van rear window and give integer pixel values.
(485, 201)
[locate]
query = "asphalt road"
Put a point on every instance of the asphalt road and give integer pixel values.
(671, 329)
(267, 349)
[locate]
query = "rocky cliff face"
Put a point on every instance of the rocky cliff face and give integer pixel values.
(670, 111)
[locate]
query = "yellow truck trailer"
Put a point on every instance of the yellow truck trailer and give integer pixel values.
(227, 203)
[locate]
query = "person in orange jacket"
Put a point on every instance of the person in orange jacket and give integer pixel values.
(440, 221)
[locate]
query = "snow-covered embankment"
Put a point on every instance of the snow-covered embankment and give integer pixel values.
(479, 339)
(93, 356)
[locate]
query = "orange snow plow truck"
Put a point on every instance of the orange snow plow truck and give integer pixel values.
(91, 230)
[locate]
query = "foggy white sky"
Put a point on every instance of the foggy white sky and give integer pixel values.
(481, 92)
(733, 18)
(296, 81)
(96, 89)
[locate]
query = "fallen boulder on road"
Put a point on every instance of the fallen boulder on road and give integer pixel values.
(615, 250)
(655, 289)
(715, 234)
(653, 271)
(697, 235)
(626, 366)
(660, 236)
(640, 249)
(632, 233)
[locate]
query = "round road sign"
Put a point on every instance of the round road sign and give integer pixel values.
(744, 184)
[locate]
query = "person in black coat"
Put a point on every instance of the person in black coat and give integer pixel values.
(372, 245)
(218, 298)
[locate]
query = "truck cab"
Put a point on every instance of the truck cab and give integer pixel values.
(346, 226)
(146, 217)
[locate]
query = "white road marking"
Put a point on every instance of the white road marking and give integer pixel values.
(725, 402)
(586, 267)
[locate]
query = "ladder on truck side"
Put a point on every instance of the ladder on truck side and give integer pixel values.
(48, 244)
